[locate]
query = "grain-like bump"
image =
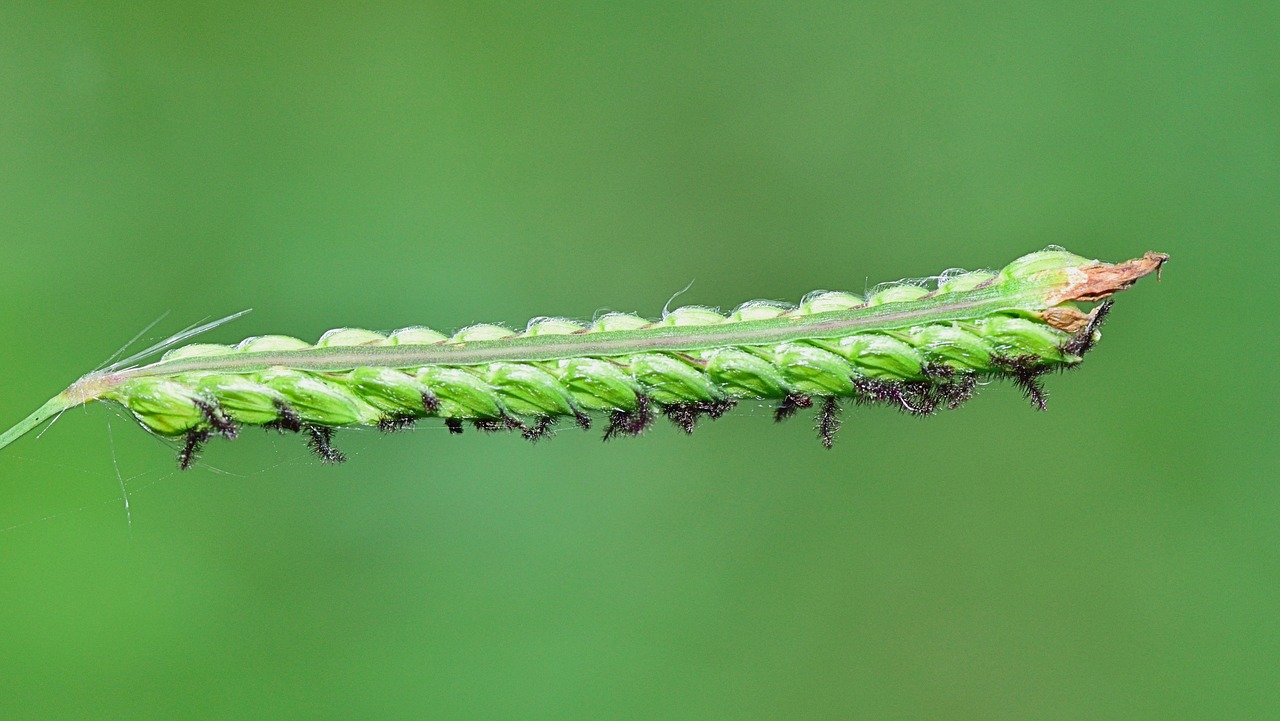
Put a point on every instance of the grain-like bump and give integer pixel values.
(917, 350)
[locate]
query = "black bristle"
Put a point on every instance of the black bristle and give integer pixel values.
(918, 398)
(790, 405)
(454, 425)
(715, 409)
(630, 423)
(957, 392)
(938, 371)
(218, 420)
(583, 420)
(191, 447)
(828, 421)
(320, 441)
(542, 428)
(1025, 372)
(492, 425)
(430, 403)
(1033, 388)
(1083, 341)
(288, 419)
(912, 397)
(685, 415)
(394, 424)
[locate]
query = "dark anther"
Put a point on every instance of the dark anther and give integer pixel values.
(320, 440)
(288, 419)
(1083, 341)
(828, 421)
(918, 398)
(685, 415)
(194, 442)
(1025, 373)
(792, 403)
(543, 428)
(940, 371)
(392, 424)
(454, 425)
(583, 420)
(630, 423)
(218, 420)
(914, 397)
(491, 425)
(430, 403)
(956, 392)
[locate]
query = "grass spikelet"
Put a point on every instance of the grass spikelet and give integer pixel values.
(916, 346)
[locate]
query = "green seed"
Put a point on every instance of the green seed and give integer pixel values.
(909, 345)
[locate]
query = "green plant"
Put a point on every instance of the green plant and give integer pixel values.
(917, 348)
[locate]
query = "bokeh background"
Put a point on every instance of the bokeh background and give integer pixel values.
(446, 164)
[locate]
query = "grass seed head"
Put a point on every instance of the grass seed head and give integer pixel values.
(919, 347)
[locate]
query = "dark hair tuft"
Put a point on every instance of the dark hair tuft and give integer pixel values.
(685, 415)
(191, 447)
(542, 428)
(218, 420)
(288, 419)
(394, 424)
(828, 421)
(789, 405)
(632, 422)
(1084, 341)
(320, 441)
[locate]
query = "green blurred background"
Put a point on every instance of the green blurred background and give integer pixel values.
(1115, 557)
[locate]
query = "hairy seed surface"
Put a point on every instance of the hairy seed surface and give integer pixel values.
(917, 348)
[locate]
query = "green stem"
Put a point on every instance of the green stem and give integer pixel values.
(834, 324)
(952, 306)
(51, 408)
(1021, 288)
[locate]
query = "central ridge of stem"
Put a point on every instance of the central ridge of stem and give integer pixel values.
(832, 324)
